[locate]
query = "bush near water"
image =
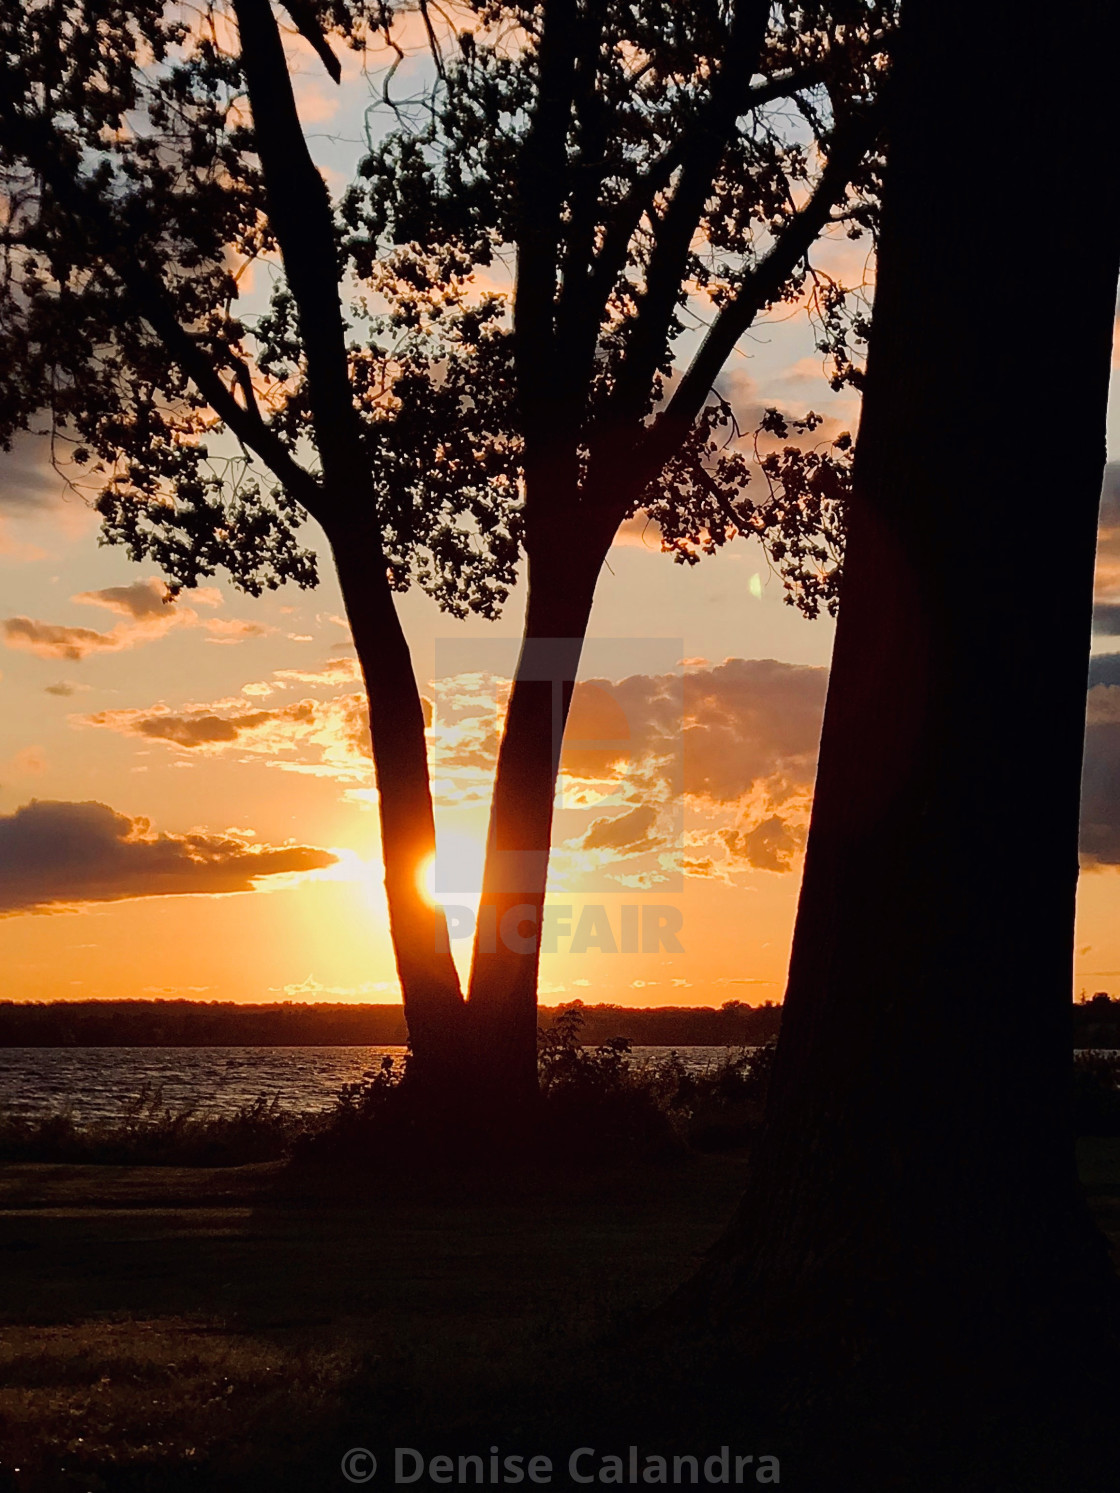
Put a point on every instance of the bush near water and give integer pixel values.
(597, 1103)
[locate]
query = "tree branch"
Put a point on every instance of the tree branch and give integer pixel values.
(49, 156)
(673, 233)
(760, 288)
(628, 213)
(541, 191)
(300, 214)
(303, 14)
(576, 307)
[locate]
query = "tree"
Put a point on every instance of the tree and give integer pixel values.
(627, 153)
(645, 159)
(913, 1200)
(137, 186)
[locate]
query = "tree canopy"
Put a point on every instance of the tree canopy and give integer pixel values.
(140, 194)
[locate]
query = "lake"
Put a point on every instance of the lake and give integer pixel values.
(98, 1082)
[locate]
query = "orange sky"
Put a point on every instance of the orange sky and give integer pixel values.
(186, 802)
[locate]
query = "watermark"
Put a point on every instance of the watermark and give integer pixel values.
(613, 737)
(629, 928)
(359, 1465)
(584, 1466)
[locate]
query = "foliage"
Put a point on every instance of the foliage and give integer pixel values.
(1096, 1093)
(149, 1133)
(598, 1105)
(138, 209)
(649, 188)
(601, 1098)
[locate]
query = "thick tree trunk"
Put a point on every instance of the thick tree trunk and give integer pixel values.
(433, 1004)
(915, 1183)
(503, 988)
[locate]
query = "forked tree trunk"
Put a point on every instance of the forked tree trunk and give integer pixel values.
(915, 1181)
(503, 990)
(433, 1004)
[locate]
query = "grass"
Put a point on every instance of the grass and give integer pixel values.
(170, 1327)
(174, 1328)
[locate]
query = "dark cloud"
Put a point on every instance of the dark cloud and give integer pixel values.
(327, 737)
(737, 740)
(770, 846)
(58, 854)
(1104, 668)
(1106, 614)
(146, 613)
(211, 730)
(625, 832)
(728, 727)
(202, 727)
(1110, 496)
(1100, 796)
(62, 689)
(51, 641)
(1100, 779)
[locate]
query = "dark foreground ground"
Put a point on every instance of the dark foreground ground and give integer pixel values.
(170, 1328)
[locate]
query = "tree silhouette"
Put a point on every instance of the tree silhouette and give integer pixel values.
(628, 155)
(912, 1207)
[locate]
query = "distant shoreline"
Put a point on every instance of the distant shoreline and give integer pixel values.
(187, 1023)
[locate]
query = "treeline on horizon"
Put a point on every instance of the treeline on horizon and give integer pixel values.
(187, 1023)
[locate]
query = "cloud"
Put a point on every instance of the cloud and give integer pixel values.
(329, 738)
(1106, 614)
(230, 630)
(200, 730)
(50, 641)
(142, 601)
(1100, 790)
(624, 832)
(770, 846)
(148, 613)
(1104, 668)
(57, 854)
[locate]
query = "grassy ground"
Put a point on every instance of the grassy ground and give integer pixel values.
(159, 1320)
(169, 1328)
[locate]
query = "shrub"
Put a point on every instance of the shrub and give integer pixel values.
(1096, 1093)
(149, 1133)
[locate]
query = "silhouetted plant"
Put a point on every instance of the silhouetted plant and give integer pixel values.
(148, 1132)
(1096, 1093)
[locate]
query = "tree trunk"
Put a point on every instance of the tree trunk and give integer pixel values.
(914, 1187)
(503, 988)
(433, 1003)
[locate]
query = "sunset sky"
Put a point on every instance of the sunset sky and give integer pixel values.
(186, 800)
